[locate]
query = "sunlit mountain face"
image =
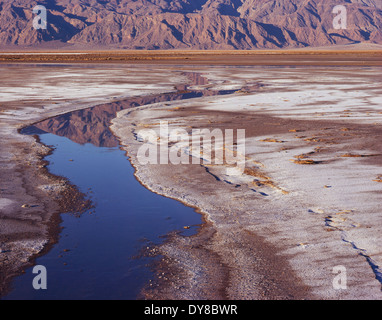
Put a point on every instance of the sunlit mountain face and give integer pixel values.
(192, 24)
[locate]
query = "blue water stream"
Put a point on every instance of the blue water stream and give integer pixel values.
(94, 257)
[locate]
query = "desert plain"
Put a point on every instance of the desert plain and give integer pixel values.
(307, 202)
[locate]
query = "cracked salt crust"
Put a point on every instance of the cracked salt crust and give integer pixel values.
(298, 219)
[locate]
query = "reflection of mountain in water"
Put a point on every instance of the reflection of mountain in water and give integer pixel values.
(92, 125)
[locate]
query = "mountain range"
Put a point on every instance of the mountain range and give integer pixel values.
(189, 24)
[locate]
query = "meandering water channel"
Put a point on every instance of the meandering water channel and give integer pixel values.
(96, 255)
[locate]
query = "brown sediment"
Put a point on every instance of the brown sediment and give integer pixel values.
(267, 181)
(255, 173)
(306, 161)
(352, 155)
(209, 57)
(304, 155)
(313, 139)
(272, 140)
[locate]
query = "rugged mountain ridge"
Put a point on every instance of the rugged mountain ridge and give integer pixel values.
(190, 24)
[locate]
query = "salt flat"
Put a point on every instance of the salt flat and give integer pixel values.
(309, 192)
(308, 201)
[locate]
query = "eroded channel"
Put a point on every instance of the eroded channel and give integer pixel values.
(98, 253)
